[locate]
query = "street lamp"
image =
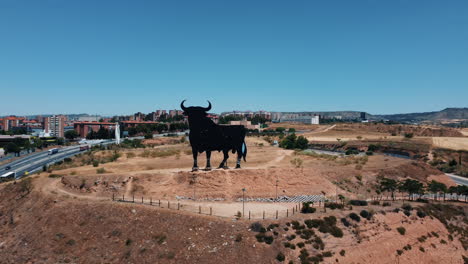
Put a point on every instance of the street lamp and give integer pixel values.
(243, 201)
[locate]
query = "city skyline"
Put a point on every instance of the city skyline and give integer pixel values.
(111, 58)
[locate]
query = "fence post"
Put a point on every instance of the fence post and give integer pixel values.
(276, 214)
(112, 197)
(142, 199)
(178, 206)
(151, 200)
(199, 209)
(123, 197)
(211, 211)
(159, 203)
(263, 214)
(249, 215)
(293, 211)
(168, 205)
(133, 199)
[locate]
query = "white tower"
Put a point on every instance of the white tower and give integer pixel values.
(117, 133)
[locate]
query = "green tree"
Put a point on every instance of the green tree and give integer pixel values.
(292, 130)
(388, 185)
(301, 143)
(437, 187)
(288, 142)
(280, 129)
(12, 148)
(71, 134)
(411, 187)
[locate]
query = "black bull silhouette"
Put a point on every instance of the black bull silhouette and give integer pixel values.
(207, 136)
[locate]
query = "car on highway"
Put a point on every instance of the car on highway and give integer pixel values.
(7, 167)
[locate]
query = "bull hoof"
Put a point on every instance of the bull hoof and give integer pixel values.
(207, 169)
(195, 169)
(238, 166)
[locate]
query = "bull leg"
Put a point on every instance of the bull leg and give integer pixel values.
(208, 157)
(239, 156)
(223, 164)
(195, 154)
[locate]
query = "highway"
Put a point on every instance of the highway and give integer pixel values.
(458, 179)
(37, 160)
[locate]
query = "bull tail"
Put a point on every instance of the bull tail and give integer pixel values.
(244, 153)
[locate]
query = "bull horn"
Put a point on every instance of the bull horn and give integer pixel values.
(209, 107)
(182, 105)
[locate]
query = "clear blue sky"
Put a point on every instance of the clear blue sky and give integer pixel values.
(121, 57)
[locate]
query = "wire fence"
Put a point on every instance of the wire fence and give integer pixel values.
(429, 196)
(220, 209)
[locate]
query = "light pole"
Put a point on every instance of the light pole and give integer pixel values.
(277, 181)
(243, 200)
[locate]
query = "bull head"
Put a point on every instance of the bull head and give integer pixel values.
(206, 109)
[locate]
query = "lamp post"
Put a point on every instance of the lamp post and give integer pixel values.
(243, 201)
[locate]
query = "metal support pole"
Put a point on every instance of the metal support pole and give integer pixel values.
(276, 214)
(211, 211)
(151, 200)
(133, 199)
(249, 215)
(168, 205)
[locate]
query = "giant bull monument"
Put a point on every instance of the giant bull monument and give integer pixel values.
(207, 136)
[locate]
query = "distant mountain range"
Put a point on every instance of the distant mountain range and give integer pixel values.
(437, 116)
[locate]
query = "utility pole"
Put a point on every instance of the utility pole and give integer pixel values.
(243, 201)
(277, 181)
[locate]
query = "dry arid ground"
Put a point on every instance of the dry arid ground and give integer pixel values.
(67, 215)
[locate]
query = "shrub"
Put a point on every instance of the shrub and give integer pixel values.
(401, 230)
(342, 252)
(256, 226)
(268, 239)
(238, 238)
(312, 223)
(375, 202)
(345, 222)
(399, 252)
(407, 213)
(334, 206)
(100, 171)
(421, 214)
(407, 247)
(365, 214)
(355, 217)
(300, 244)
(55, 176)
(396, 210)
(287, 244)
(327, 254)
(422, 249)
(330, 220)
(407, 207)
(280, 257)
(260, 237)
(336, 231)
(386, 204)
(307, 209)
(95, 163)
(358, 202)
(128, 242)
(369, 153)
(306, 234)
(443, 241)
